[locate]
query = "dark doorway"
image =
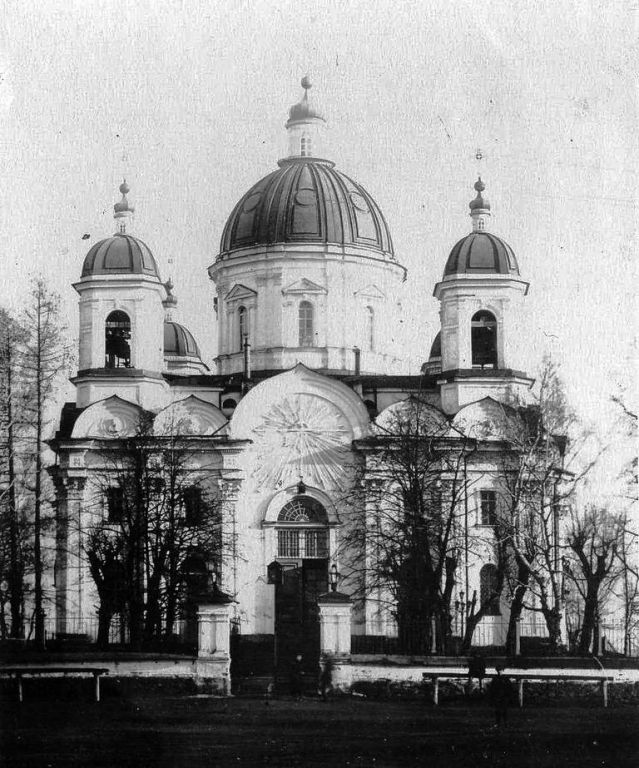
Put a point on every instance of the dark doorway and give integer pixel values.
(297, 618)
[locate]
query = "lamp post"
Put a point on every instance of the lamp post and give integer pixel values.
(333, 577)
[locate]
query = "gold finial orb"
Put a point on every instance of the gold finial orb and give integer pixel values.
(124, 187)
(306, 83)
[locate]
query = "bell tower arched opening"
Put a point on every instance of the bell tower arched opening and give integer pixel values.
(484, 340)
(117, 337)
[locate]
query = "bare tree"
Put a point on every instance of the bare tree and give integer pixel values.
(13, 545)
(404, 532)
(595, 541)
(43, 358)
(163, 519)
(538, 485)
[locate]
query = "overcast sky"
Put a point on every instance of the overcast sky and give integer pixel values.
(189, 101)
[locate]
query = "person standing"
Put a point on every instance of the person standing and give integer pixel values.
(501, 693)
(297, 677)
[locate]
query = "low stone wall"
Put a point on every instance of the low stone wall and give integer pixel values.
(207, 675)
(402, 676)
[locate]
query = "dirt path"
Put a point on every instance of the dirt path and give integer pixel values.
(195, 732)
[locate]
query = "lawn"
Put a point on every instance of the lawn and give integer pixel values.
(200, 731)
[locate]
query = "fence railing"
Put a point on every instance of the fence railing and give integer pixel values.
(490, 633)
(86, 627)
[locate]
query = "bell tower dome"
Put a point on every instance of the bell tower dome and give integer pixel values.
(479, 293)
(121, 318)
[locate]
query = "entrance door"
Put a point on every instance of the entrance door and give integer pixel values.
(297, 617)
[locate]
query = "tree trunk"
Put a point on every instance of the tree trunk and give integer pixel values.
(105, 616)
(16, 591)
(553, 622)
(590, 618)
(516, 607)
(37, 521)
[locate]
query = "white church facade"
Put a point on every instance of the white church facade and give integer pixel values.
(308, 370)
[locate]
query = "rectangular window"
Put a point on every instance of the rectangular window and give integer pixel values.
(115, 504)
(288, 543)
(192, 500)
(488, 508)
(302, 543)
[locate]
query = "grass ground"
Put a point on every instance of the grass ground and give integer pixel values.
(199, 731)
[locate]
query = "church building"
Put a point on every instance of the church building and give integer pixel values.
(308, 371)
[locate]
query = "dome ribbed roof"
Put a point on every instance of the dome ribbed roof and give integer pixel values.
(120, 255)
(179, 341)
(481, 253)
(307, 201)
(436, 348)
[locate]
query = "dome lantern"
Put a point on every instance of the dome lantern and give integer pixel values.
(170, 303)
(480, 208)
(123, 211)
(305, 126)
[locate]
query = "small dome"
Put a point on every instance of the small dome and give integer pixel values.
(436, 348)
(304, 109)
(481, 253)
(178, 341)
(120, 255)
(307, 201)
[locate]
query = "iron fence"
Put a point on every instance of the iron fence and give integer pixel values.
(85, 629)
(491, 633)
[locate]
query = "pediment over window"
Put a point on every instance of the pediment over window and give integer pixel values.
(370, 292)
(304, 286)
(239, 291)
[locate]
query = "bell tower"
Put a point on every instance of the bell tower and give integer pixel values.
(121, 318)
(480, 292)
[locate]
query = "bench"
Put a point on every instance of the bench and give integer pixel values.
(40, 670)
(521, 676)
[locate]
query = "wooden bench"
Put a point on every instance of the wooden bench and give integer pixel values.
(41, 670)
(521, 676)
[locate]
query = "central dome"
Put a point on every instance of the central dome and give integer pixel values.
(307, 201)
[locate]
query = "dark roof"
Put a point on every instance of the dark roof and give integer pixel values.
(179, 341)
(481, 253)
(70, 413)
(307, 201)
(436, 348)
(120, 255)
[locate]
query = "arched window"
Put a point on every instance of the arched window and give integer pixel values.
(117, 334)
(305, 146)
(484, 340)
(481, 224)
(370, 329)
(302, 529)
(488, 584)
(242, 326)
(306, 335)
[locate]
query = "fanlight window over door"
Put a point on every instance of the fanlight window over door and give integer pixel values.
(302, 530)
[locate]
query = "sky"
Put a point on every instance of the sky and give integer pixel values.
(188, 100)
